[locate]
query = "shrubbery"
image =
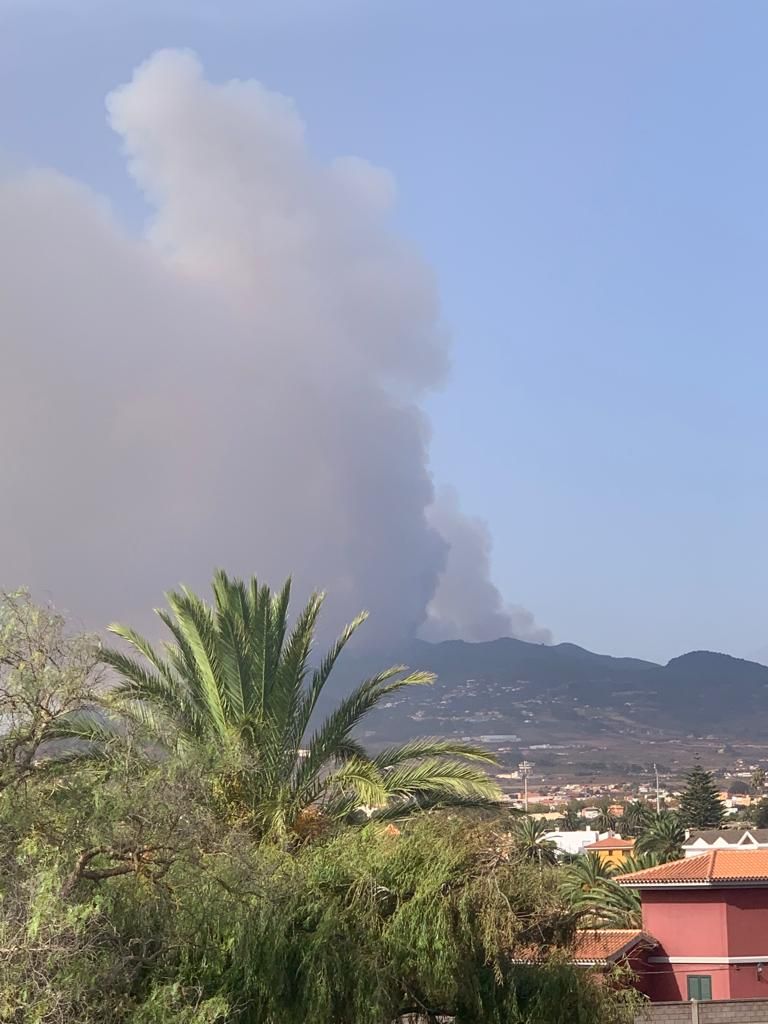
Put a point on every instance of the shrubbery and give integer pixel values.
(130, 894)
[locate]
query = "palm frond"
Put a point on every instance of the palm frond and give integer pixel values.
(264, 640)
(432, 747)
(232, 645)
(582, 876)
(337, 728)
(140, 684)
(351, 748)
(286, 691)
(196, 622)
(321, 675)
(279, 603)
(609, 905)
(640, 861)
(406, 807)
(358, 779)
(437, 775)
(279, 747)
(89, 726)
(144, 647)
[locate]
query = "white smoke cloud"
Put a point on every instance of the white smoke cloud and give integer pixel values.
(238, 388)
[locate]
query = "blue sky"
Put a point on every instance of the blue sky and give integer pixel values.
(588, 181)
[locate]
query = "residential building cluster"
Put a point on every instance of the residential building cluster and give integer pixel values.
(704, 931)
(549, 801)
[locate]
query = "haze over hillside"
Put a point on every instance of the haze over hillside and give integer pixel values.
(513, 688)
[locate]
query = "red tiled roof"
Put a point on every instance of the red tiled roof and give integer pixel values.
(594, 946)
(606, 945)
(711, 868)
(611, 843)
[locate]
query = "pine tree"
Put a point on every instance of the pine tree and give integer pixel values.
(700, 805)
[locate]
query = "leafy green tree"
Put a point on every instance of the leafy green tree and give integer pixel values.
(529, 842)
(203, 924)
(700, 804)
(663, 837)
(47, 677)
(758, 780)
(235, 682)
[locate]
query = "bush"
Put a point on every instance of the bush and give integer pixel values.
(176, 917)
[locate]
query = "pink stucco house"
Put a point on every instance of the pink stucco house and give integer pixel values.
(708, 915)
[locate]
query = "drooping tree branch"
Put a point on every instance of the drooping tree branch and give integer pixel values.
(152, 862)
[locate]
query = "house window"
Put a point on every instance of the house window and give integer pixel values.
(699, 986)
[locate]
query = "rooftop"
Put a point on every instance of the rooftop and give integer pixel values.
(714, 868)
(608, 945)
(730, 836)
(611, 843)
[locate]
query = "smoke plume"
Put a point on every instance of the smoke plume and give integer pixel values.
(466, 603)
(239, 387)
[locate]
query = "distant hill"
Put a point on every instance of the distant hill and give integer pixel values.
(511, 687)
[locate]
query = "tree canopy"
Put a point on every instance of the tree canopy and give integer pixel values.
(662, 837)
(48, 677)
(236, 681)
(129, 897)
(700, 804)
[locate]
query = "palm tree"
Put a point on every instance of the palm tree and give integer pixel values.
(588, 886)
(636, 816)
(605, 821)
(570, 819)
(235, 684)
(663, 836)
(527, 836)
(583, 875)
(639, 861)
(615, 906)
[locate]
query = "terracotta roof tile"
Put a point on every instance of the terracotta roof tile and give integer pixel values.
(593, 946)
(611, 843)
(711, 868)
(607, 945)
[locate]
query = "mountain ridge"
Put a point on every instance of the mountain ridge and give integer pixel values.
(563, 689)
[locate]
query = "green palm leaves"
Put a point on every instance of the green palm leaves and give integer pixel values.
(529, 840)
(636, 816)
(663, 837)
(589, 887)
(236, 682)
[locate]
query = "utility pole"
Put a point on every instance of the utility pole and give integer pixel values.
(525, 768)
(658, 795)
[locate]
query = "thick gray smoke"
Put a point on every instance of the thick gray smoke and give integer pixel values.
(238, 388)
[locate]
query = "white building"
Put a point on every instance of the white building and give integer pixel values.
(573, 842)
